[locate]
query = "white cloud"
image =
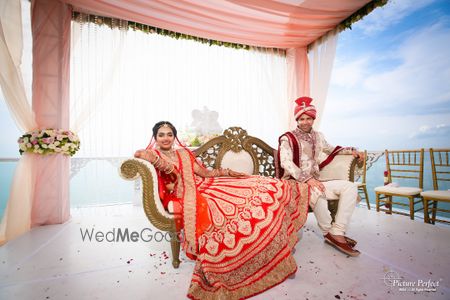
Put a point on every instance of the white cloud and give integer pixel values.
(390, 14)
(424, 71)
(379, 132)
(379, 102)
(427, 131)
(415, 81)
(350, 74)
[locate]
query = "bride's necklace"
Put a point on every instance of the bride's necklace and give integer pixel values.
(169, 153)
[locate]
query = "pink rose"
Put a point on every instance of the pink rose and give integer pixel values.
(47, 140)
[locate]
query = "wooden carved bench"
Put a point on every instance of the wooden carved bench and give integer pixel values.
(236, 150)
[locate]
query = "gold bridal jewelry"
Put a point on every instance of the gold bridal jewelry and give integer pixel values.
(164, 125)
(169, 153)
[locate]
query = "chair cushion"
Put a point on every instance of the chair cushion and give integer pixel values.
(441, 195)
(407, 191)
(337, 169)
(238, 161)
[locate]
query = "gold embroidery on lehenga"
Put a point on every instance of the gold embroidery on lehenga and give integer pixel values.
(244, 227)
(249, 234)
(212, 246)
(238, 197)
(260, 260)
(258, 212)
(217, 218)
(225, 207)
(229, 239)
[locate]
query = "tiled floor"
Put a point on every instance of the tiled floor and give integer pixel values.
(53, 262)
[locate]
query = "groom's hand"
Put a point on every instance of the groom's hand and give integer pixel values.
(314, 183)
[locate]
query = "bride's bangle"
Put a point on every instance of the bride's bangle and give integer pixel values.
(156, 160)
(224, 172)
(170, 170)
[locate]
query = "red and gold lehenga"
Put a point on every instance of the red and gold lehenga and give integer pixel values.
(240, 231)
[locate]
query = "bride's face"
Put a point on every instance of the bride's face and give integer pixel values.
(165, 138)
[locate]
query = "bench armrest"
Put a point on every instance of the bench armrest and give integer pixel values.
(132, 169)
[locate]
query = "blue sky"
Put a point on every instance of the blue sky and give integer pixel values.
(390, 86)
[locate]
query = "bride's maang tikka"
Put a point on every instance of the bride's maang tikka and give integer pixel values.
(164, 125)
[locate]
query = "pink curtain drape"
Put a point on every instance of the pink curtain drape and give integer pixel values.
(298, 79)
(50, 21)
(266, 23)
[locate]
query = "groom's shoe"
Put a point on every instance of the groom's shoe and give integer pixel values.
(343, 247)
(350, 241)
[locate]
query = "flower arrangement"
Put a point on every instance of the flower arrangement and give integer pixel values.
(196, 140)
(49, 141)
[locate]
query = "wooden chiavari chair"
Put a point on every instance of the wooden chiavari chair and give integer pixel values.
(405, 165)
(362, 186)
(440, 168)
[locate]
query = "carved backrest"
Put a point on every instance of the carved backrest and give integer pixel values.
(360, 170)
(237, 150)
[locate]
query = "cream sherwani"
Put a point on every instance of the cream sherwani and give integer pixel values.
(313, 147)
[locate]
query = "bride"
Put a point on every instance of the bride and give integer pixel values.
(239, 229)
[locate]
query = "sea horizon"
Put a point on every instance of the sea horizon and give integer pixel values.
(91, 184)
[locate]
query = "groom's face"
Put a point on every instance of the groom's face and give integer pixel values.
(305, 123)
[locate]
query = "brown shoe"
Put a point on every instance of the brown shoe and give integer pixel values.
(350, 241)
(343, 247)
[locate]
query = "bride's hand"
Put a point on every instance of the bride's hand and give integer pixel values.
(232, 173)
(148, 155)
(170, 187)
(138, 153)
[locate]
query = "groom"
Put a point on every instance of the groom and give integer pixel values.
(298, 158)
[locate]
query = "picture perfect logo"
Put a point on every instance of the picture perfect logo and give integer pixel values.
(390, 278)
(393, 279)
(123, 235)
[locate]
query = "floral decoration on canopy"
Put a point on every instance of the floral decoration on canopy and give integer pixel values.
(49, 141)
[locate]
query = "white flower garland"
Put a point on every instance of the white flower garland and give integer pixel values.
(49, 141)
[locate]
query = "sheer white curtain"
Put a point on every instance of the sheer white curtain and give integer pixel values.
(321, 57)
(17, 217)
(129, 81)
(95, 66)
